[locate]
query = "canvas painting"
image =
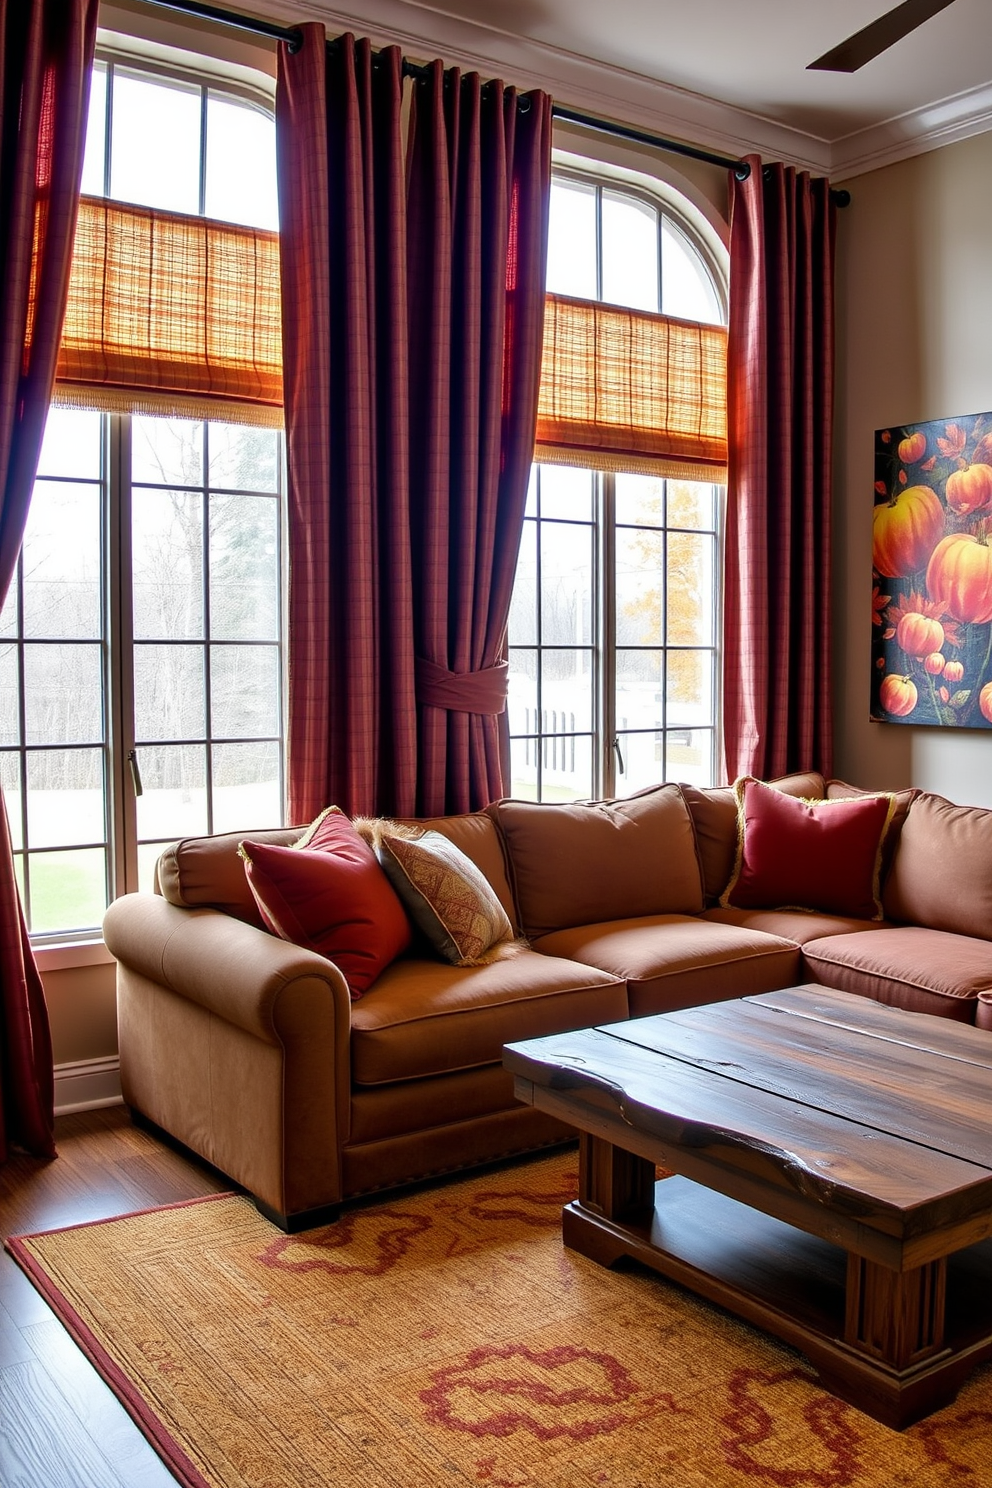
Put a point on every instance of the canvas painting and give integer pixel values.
(932, 574)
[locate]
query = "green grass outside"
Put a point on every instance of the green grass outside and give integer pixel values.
(68, 890)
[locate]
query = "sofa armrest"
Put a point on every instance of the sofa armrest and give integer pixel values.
(237, 1044)
(234, 970)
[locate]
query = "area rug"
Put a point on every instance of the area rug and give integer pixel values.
(448, 1338)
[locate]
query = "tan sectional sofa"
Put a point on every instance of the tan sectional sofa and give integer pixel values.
(251, 1052)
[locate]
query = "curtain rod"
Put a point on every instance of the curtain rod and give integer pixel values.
(740, 168)
(293, 37)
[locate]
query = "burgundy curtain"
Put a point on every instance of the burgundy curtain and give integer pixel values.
(343, 253)
(777, 624)
(413, 297)
(44, 78)
(479, 184)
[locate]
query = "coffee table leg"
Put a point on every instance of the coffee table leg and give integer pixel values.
(612, 1182)
(895, 1316)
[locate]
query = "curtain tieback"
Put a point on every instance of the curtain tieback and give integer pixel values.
(483, 691)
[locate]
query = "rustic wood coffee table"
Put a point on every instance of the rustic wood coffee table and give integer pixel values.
(834, 1162)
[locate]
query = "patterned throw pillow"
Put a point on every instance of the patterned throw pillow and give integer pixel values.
(328, 894)
(446, 895)
(799, 854)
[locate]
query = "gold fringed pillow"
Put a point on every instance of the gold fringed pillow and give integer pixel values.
(446, 895)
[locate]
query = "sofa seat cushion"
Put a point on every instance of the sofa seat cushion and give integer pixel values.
(798, 925)
(675, 961)
(585, 862)
(926, 971)
(427, 1017)
(983, 1011)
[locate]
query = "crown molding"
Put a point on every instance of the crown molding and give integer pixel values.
(583, 83)
(943, 123)
(598, 87)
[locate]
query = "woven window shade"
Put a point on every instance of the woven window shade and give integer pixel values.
(172, 314)
(629, 391)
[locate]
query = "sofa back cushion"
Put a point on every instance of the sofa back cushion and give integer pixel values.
(583, 863)
(941, 873)
(901, 799)
(208, 873)
(714, 817)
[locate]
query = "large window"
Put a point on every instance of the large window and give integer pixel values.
(141, 656)
(613, 627)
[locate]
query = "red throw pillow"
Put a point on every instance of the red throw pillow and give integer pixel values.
(799, 854)
(328, 894)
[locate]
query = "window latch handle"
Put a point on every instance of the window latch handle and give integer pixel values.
(132, 759)
(619, 755)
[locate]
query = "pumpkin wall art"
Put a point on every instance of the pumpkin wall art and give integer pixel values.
(931, 603)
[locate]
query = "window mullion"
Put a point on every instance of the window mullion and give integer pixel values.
(120, 632)
(202, 203)
(666, 539)
(22, 734)
(208, 692)
(282, 560)
(660, 238)
(607, 649)
(539, 637)
(599, 242)
(108, 131)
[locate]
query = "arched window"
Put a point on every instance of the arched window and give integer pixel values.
(614, 623)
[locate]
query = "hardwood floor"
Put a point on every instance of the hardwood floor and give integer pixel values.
(60, 1426)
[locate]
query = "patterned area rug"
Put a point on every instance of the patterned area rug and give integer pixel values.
(447, 1338)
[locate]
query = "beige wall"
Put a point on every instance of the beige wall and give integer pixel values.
(914, 323)
(82, 1008)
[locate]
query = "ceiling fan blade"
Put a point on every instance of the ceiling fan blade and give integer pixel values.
(878, 36)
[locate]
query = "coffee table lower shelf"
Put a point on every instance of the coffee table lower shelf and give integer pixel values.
(794, 1286)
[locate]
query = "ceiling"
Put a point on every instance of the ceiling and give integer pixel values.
(731, 73)
(753, 53)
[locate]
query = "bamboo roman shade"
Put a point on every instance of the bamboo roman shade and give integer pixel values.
(172, 314)
(627, 390)
(181, 315)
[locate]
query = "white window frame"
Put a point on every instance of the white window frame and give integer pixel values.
(65, 948)
(682, 210)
